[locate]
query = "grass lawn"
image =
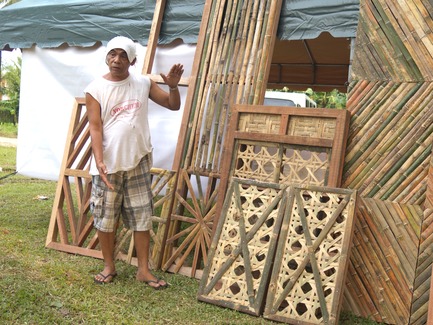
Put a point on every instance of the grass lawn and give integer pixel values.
(8, 130)
(44, 286)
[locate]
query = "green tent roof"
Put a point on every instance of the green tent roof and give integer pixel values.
(83, 23)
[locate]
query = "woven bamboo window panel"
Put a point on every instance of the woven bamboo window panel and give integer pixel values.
(281, 163)
(71, 225)
(286, 145)
(241, 254)
(312, 256)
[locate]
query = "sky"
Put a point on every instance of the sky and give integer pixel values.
(8, 56)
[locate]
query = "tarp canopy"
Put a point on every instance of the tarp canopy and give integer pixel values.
(50, 23)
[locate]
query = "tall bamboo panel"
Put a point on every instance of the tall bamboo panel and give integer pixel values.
(388, 160)
(231, 65)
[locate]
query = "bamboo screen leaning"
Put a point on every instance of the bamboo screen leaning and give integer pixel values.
(309, 229)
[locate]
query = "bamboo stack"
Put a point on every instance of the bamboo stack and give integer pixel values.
(231, 62)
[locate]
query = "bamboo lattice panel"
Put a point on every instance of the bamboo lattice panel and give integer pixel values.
(242, 250)
(280, 163)
(383, 275)
(312, 256)
(285, 145)
(71, 225)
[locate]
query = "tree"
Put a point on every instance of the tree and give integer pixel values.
(11, 80)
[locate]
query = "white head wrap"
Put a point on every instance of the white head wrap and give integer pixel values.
(124, 43)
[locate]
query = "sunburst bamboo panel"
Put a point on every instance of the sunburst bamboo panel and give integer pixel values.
(312, 256)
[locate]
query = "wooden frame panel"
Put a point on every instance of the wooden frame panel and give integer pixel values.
(277, 126)
(71, 224)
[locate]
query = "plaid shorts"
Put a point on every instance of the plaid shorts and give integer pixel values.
(131, 198)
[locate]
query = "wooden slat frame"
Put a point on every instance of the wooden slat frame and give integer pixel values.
(71, 225)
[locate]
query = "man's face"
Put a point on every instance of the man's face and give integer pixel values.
(118, 63)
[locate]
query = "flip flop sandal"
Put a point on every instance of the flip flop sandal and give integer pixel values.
(104, 278)
(160, 287)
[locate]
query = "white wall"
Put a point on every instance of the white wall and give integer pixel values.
(50, 81)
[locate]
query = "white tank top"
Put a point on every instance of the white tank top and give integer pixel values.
(124, 113)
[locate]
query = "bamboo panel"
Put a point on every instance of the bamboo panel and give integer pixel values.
(71, 224)
(232, 61)
(242, 250)
(190, 234)
(384, 262)
(229, 63)
(312, 256)
(394, 41)
(422, 304)
(389, 143)
(280, 163)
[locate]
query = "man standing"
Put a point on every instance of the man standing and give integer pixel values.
(117, 108)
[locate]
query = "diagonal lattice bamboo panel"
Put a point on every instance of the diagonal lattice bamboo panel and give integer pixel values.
(312, 256)
(242, 250)
(71, 225)
(383, 265)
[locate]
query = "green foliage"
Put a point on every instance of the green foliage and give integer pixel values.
(332, 99)
(11, 81)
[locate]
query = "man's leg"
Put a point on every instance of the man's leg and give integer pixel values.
(142, 244)
(106, 242)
